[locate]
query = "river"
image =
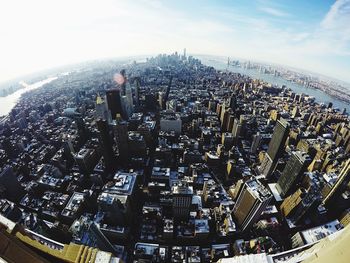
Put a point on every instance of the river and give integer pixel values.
(8, 102)
(320, 96)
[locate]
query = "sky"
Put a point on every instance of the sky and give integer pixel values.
(40, 34)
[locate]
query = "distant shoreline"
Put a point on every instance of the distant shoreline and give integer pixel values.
(340, 101)
(7, 103)
(321, 96)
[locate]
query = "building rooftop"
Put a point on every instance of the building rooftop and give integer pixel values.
(73, 205)
(123, 184)
(315, 234)
(182, 189)
(258, 190)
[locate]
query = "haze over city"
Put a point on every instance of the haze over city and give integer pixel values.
(312, 35)
(190, 131)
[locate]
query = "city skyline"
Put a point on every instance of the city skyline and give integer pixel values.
(172, 160)
(310, 35)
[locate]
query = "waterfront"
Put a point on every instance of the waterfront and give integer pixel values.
(320, 96)
(185, 164)
(8, 102)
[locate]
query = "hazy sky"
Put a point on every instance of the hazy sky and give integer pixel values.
(307, 34)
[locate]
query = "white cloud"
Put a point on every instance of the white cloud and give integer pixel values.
(338, 16)
(39, 34)
(336, 26)
(273, 11)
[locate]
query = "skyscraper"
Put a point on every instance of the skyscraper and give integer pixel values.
(122, 81)
(83, 132)
(10, 185)
(276, 146)
(182, 200)
(255, 143)
(233, 102)
(126, 107)
(236, 129)
(251, 202)
(230, 121)
(120, 129)
(278, 139)
(86, 160)
(292, 172)
(114, 102)
(106, 144)
(101, 109)
(297, 204)
(128, 94)
(150, 101)
(137, 83)
(336, 190)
